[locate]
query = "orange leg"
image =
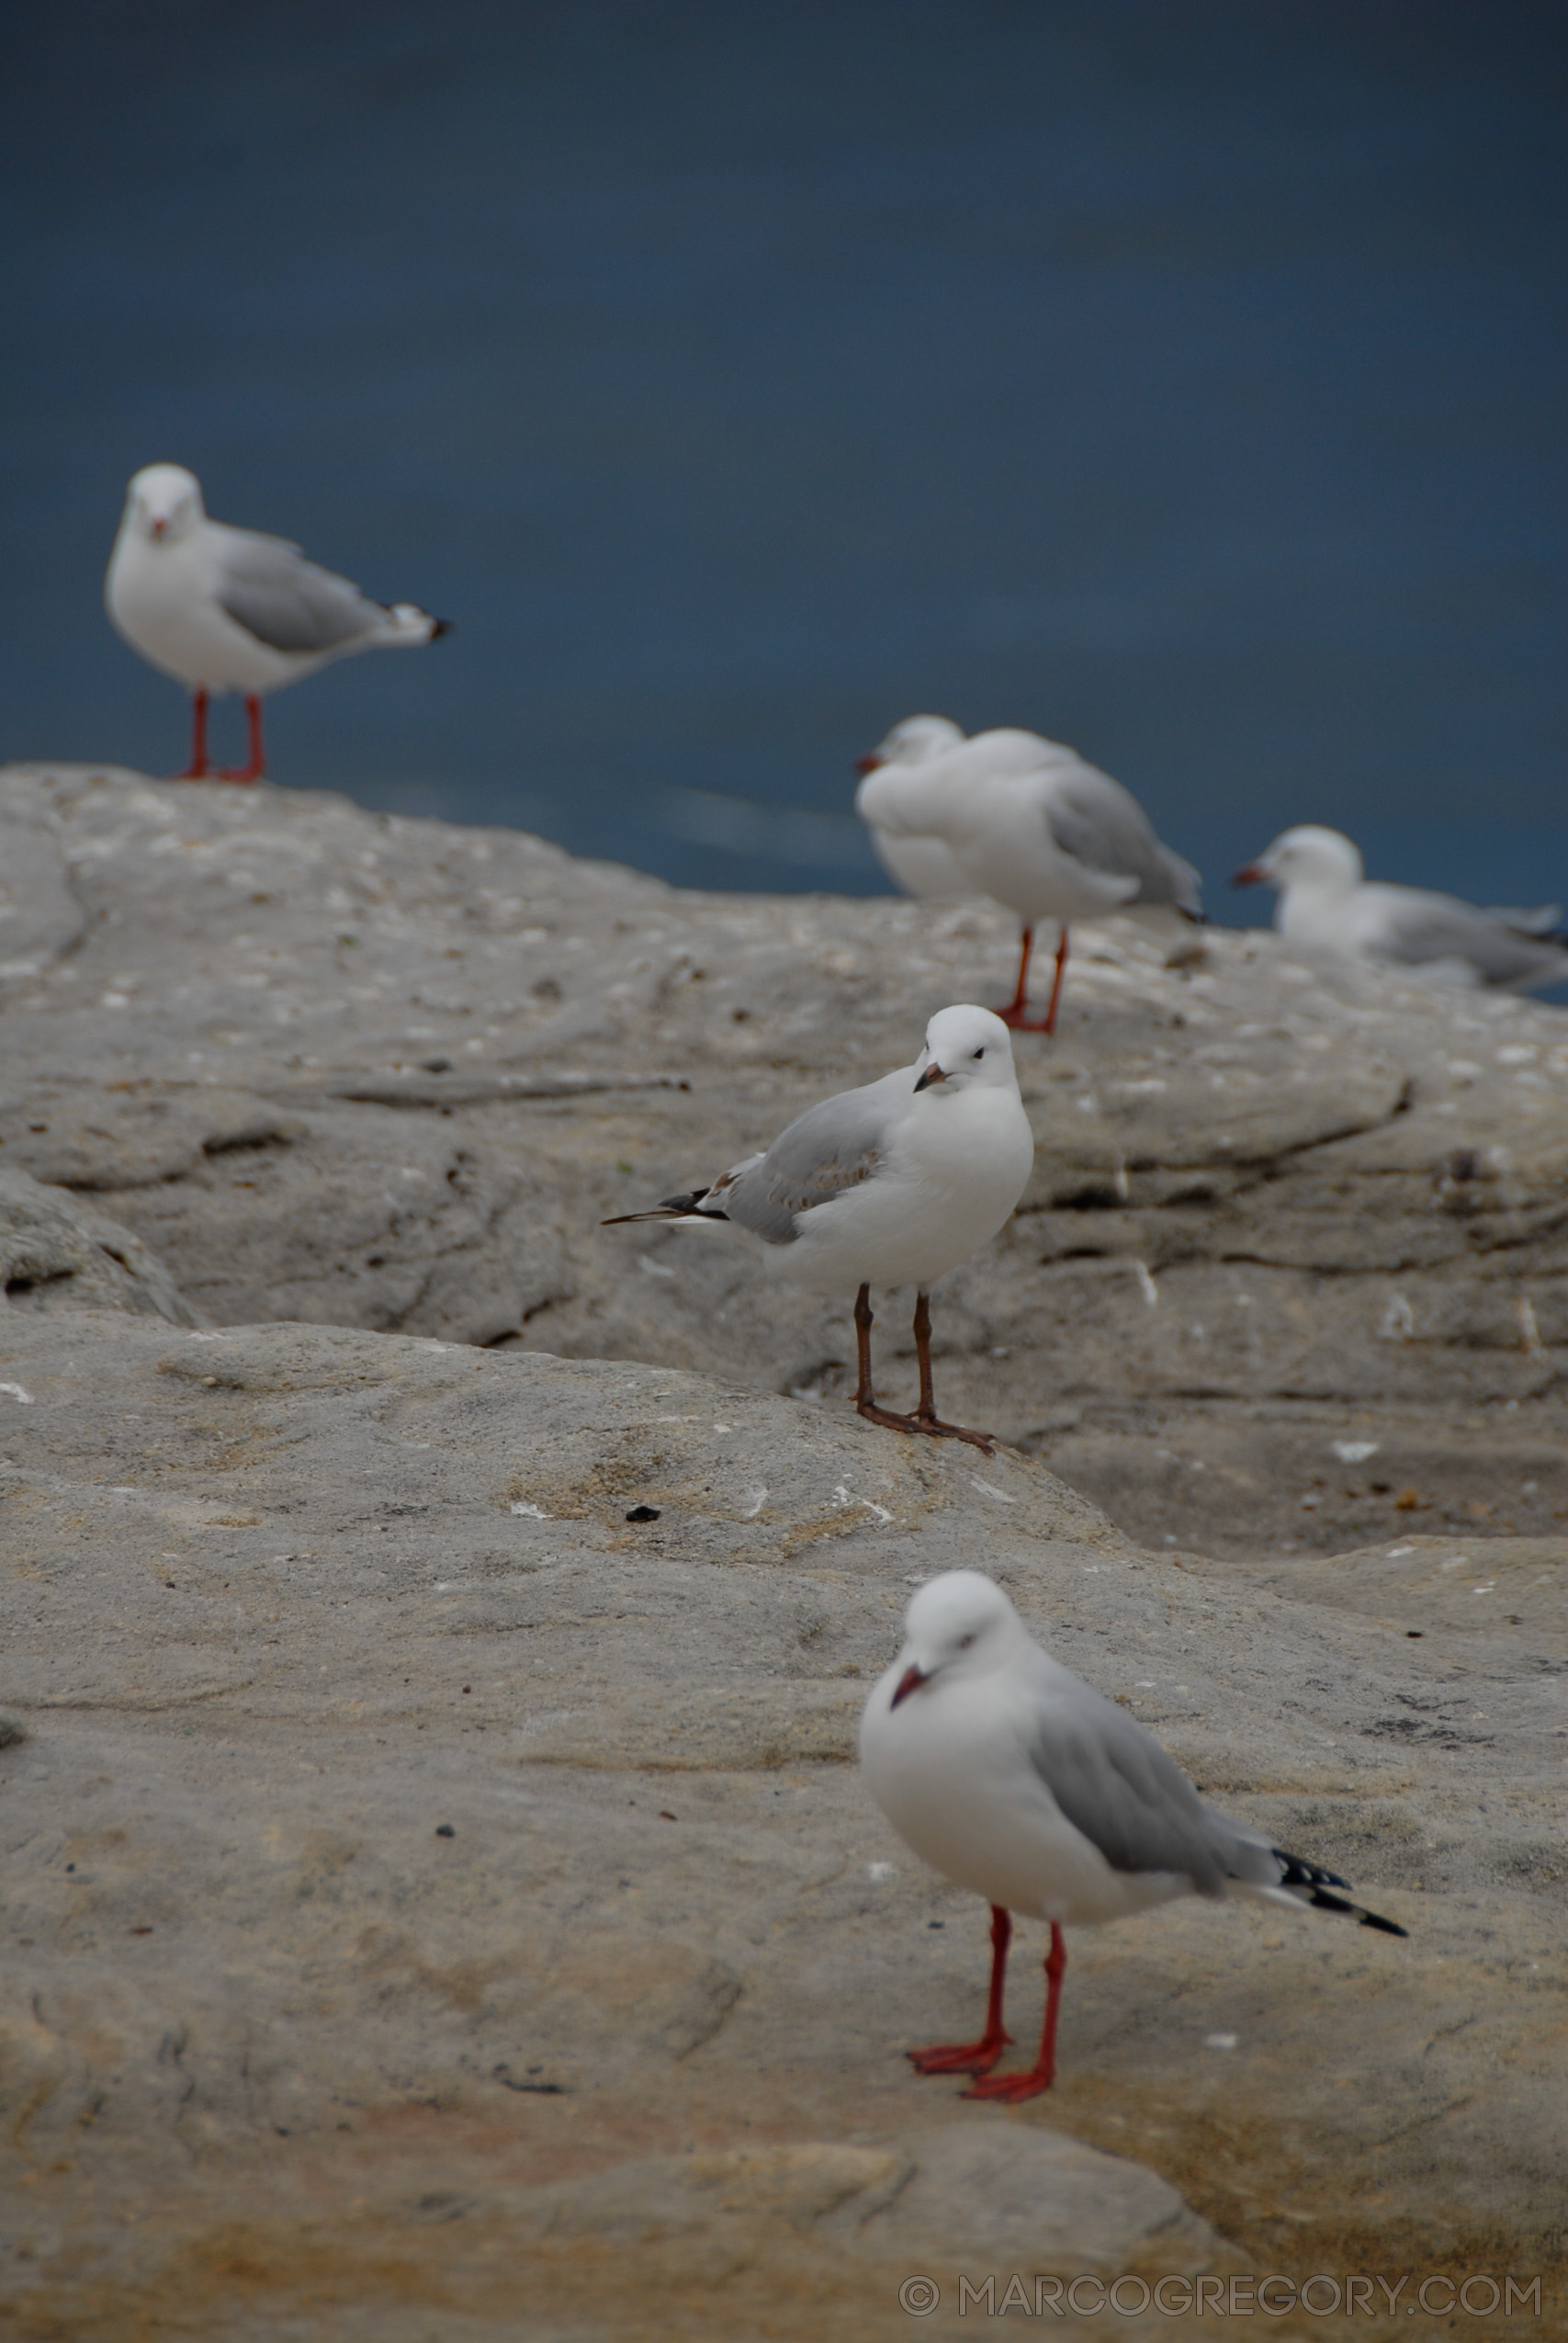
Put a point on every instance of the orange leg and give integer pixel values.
(1016, 1013)
(1043, 2073)
(977, 2057)
(256, 766)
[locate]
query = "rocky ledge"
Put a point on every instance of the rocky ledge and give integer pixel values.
(317, 2023)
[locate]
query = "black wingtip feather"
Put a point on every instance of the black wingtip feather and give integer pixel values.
(671, 1208)
(1313, 1883)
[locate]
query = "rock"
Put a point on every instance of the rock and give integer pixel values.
(339, 1067)
(56, 1253)
(627, 2047)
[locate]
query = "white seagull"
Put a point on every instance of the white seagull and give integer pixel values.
(1326, 905)
(1008, 1774)
(893, 1184)
(1028, 822)
(920, 866)
(226, 610)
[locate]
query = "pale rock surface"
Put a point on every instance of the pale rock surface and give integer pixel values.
(439, 1905)
(621, 2057)
(56, 1253)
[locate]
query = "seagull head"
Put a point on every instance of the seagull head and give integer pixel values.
(913, 741)
(959, 1625)
(966, 1049)
(164, 504)
(1306, 856)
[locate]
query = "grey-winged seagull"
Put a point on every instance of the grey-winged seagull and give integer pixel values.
(1327, 906)
(224, 609)
(1010, 1775)
(892, 1184)
(1030, 823)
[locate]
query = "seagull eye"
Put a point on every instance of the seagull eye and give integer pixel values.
(979, 1053)
(964, 1641)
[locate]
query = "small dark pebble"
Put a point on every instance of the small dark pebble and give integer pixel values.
(141, 1931)
(1414, 1634)
(436, 1065)
(70, 1866)
(643, 1514)
(445, 1830)
(665, 1815)
(936, 1923)
(468, 1688)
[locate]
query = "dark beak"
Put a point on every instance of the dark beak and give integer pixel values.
(870, 764)
(933, 1073)
(1249, 875)
(909, 1681)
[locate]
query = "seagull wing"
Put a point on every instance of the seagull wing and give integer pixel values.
(266, 585)
(1545, 921)
(1409, 926)
(1102, 825)
(1127, 1795)
(831, 1148)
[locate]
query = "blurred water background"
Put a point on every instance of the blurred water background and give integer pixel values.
(1182, 378)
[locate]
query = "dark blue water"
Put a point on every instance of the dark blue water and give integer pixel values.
(1184, 380)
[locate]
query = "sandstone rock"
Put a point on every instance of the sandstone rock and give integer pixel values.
(439, 1903)
(56, 1253)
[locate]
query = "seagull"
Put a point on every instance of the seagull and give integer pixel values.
(226, 610)
(891, 1184)
(919, 866)
(1008, 1774)
(1326, 905)
(1030, 823)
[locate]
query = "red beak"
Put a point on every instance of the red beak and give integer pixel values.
(1249, 875)
(933, 1073)
(871, 763)
(909, 1681)
(159, 526)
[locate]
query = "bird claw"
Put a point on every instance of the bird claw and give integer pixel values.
(934, 1426)
(874, 1414)
(1017, 1018)
(1011, 2089)
(958, 2057)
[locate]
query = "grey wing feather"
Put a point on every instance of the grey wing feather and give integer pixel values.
(271, 590)
(1102, 825)
(1115, 1783)
(831, 1147)
(1545, 921)
(1423, 927)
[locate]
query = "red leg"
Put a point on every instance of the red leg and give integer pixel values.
(925, 1418)
(1017, 1010)
(977, 2057)
(255, 769)
(1050, 1024)
(1016, 1013)
(865, 1403)
(196, 770)
(1043, 2073)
